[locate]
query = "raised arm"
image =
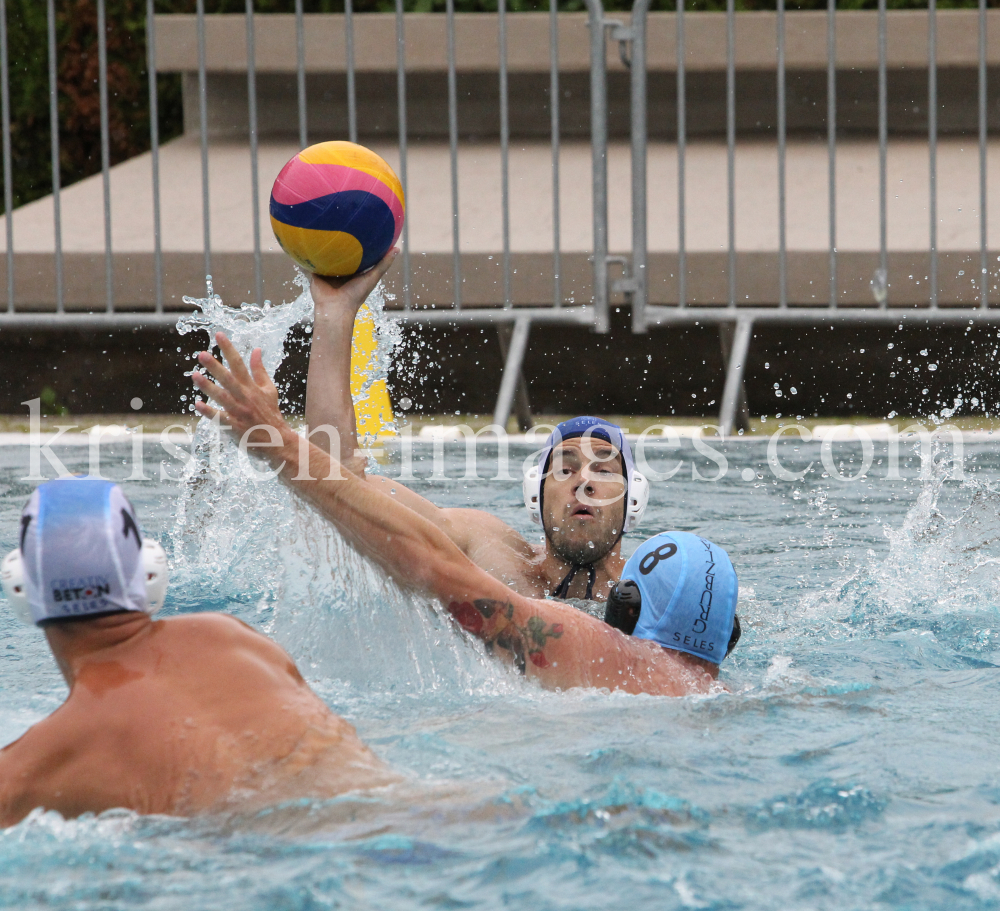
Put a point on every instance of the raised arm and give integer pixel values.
(329, 402)
(560, 646)
(328, 385)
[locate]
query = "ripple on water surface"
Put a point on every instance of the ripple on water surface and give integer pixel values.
(853, 765)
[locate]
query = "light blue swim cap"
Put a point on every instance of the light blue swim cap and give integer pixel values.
(689, 592)
(82, 550)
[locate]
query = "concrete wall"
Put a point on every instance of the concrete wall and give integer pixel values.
(569, 370)
(528, 62)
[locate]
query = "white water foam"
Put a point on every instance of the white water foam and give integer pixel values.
(246, 534)
(942, 570)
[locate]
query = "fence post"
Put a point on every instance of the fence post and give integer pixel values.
(599, 152)
(734, 376)
(512, 370)
(640, 291)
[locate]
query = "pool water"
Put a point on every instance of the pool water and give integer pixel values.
(853, 764)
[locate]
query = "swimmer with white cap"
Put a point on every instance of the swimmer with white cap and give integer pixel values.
(685, 587)
(584, 491)
(187, 715)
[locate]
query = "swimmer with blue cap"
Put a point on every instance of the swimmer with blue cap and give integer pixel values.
(582, 488)
(182, 716)
(679, 590)
(684, 587)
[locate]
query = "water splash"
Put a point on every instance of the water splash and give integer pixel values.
(941, 574)
(239, 531)
(250, 326)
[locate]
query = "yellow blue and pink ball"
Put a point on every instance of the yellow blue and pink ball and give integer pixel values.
(337, 208)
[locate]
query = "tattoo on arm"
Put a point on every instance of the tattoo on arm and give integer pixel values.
(493, 622)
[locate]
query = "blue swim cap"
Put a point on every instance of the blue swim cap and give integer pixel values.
(689, 592)
(82, 550)
(597, 428)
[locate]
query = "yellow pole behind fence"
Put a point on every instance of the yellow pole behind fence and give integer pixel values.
(374, 413)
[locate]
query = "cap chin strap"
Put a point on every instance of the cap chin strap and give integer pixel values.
(562, 590)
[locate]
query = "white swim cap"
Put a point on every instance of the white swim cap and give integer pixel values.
(82, 551)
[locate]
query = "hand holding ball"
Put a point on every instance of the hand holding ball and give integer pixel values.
(337, 209)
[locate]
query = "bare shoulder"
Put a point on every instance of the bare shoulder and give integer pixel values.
(481, 527)
(218, 630)
(211, 623)
(29, 764)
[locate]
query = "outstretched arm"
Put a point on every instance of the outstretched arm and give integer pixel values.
(561, 646)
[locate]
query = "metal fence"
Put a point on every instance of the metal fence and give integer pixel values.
(621, 275)
(743, 318)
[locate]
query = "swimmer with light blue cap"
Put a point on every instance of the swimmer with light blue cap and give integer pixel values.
(680, 591)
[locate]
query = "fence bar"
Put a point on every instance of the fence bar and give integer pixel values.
(599, 160)
(512, 369)
(731, 145)
(401, 108)
(932, 143)
(639, 292)
(984, 275)
(831, 137)
(681, 149)
(258, 274)
(203, 133)
(300, 66)
(818, 316)
(352, 98)
(734, 375)
(8, 177)
(154, 143)
(782, 127)
(504, 151)
(554, 114)
(456, 268)
(54, 128)
(102, 79)
(883, 145)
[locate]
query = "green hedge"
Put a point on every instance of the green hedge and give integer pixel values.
(79, 121)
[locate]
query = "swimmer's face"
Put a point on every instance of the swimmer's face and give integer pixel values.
(583, 507)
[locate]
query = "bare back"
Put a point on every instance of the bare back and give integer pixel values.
(191, 714)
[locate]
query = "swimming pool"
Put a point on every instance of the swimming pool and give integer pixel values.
(852, 766)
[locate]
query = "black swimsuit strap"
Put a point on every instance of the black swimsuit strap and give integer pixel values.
(562, 590)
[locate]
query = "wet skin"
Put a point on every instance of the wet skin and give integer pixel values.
(549, 641)
(179, 716)
(583, 502)
(530, 569)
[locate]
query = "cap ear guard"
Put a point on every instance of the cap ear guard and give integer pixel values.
(638, 497)
(532, 489)
(154, 567)
(12, 577)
